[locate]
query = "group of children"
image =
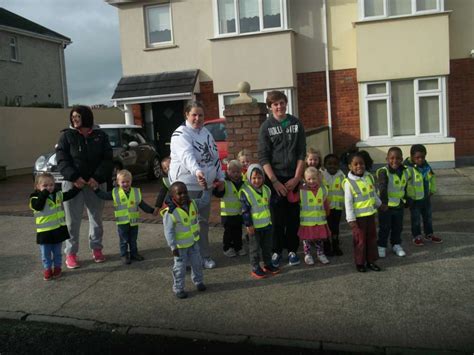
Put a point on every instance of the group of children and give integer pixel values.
(323, 194)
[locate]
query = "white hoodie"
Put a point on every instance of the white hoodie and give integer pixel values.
(349, 198)
(193, 150)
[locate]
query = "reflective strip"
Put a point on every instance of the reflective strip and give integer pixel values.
(54, 223)
(336, 205)
(312, 208)
(312, 219)
(360, 211)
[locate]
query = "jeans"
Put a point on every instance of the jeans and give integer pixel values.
(179, 268)
(203, 218)
(261, 241)
(390, 224)
(421, 210)
(51, 254)
(128, 239)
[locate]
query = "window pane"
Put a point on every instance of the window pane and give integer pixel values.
(13, 55)
(226, 12)
(399, 7)
(373, 8)
(403, 108)
(429, 114)
(258, 95)
(228, 99)
(249, 20)
(159, 26)
(431, 84)
(424, 5)
(271, 13)
(376, 89)
(378, 118)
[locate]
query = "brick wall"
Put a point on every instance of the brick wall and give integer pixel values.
(209, 99)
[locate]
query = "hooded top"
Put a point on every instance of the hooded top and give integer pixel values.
(251, 168)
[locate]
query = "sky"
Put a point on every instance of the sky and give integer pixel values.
(93, 66)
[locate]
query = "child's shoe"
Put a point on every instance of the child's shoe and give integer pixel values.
(47, 275)
(57, 272)
(308, 259)
(125, 259)
(230, 253)
(258, 273)
(242, 252)
(398, 250)
(137, 257)
(433, 239)
(271, 269)
(71, 261)
(418, 241)
(276, 259)
(322, 258)
(181, 294)
(293, 259)
(382, 252)
(208, 263)
(201, 287)
(98, 256)
(373, 267)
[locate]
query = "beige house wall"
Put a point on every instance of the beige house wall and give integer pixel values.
(461, 27)
(397, 48)
(28, 132)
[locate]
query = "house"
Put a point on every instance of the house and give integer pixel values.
(397, 72)
(32, 68)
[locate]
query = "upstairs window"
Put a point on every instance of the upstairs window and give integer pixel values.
(158, 25)
(377, 9)
(13, 49)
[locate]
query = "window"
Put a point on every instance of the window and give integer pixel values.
(236, 17)
(158, 25)
(405, 108)
(13, 49)
(376, 9)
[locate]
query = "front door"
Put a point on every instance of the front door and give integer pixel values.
(167, 116)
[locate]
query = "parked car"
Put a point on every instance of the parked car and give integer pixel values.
(131, 151)
(217, 128)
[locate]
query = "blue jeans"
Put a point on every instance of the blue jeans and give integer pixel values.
(421, 210)
(390, 224)
(128, 239)
(179, 268)
(51, 254)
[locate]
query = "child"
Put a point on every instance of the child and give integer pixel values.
(231, 210)
(51, 231)
(165, 183)
(421, 185)
(127, 200)
(313, 158)
(255, 199)
(244, 159)
(333, 178)
(392, 181)
(314, 207)
(360, 202)
(180, 222)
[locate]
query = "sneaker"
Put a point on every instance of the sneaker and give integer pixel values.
(398, 250)
(57, 272)
(322, 259)
(433, 239)
(418, 241)
(308, 259)
(136, 257)
(181, 294)
(71, 261)
(276, 259)
(208, 263)
(98, 256)
(258, 273)
(47, 275)
(230, 253)
(382, 252)
(373, 267)
(293, 259)
(125, 259)
(201, 287)
(242, 252)
(270, 269)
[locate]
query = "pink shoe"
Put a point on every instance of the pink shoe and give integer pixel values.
(71, 261)
(47, 275)
(98, 256)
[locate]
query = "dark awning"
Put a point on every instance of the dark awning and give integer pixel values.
(167, 86)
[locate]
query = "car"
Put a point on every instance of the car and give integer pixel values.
(131, 151)
(216, 127)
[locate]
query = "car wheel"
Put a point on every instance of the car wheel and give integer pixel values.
(155, 169)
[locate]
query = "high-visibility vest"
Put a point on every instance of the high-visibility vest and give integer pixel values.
(260, 205)
(363, 193)
(335, 193)
(52, 215)
(415, 186)
(126, 208)
(395, 187)
(166, 182)
(312, 211)
(186, 225)
(230, 203)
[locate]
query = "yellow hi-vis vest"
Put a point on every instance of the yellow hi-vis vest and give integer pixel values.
(363, 193)
(126, 208)
(395, 187)
(415, 186)
(186, 225)
(52, 215)
(260, 205)
(336, 194)
(230, 203)
(312, 211)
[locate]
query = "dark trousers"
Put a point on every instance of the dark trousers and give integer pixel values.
(261, 241)
(232, 233)
(334, 220)
(364, 237)
(128, 239)
(390, 224)
(421, 210)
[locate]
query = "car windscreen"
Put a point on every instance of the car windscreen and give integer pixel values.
(218, 131)
(114, 137)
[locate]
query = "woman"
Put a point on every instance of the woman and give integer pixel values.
(195, 161)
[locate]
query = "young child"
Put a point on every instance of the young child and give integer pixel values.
(361, 204)
(421, 185)
(127, 200)
(313, 158)
(392, 181)
(255, 199)
(165, 183)
(244, 159)
(314, 207)
(231, 210)
(333, 178)
(51, 231)
(181, 226)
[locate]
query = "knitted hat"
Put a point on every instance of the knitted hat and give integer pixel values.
(251, 168)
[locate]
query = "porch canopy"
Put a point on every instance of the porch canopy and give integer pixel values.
(166, 86)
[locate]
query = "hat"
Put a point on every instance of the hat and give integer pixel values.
(251, 168)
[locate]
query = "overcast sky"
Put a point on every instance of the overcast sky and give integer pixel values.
(93, 66)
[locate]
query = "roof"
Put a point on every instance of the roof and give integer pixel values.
(147, 87)
(15, 21)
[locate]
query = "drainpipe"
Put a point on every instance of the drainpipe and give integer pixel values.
(326, 62)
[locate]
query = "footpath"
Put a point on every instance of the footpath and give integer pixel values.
(422, 303)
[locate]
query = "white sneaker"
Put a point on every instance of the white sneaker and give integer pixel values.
(322, 259)
(308, 259)
(398, 250)
(242, 252)
(382, 252)
(230, 253)
(208, 263)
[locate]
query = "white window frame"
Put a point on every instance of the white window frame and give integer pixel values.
(440, 92)
(13, 44)
(283, 12)
(414, 10)
(149, 44)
